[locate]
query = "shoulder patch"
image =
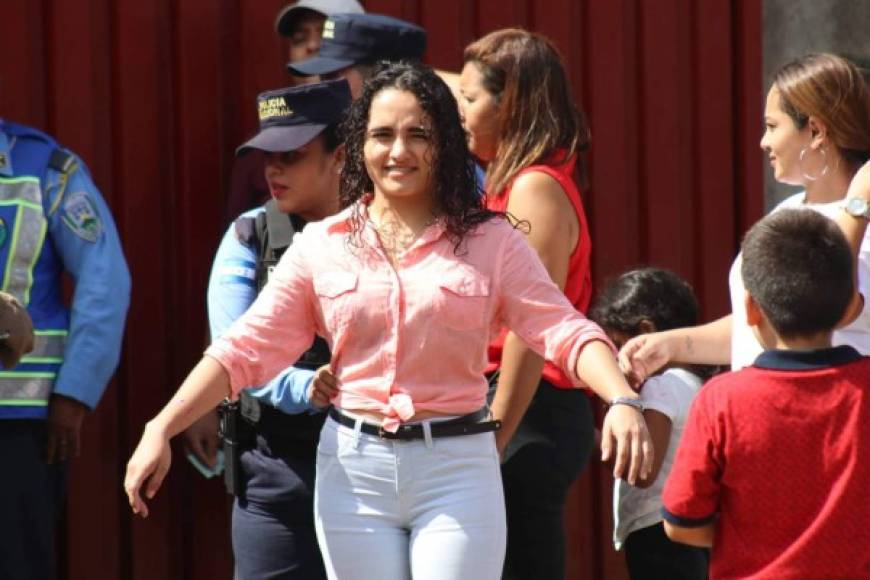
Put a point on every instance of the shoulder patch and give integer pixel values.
(244, 229)
(61, 160)
(80, 215)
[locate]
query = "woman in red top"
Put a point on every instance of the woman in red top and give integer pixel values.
(524, 127)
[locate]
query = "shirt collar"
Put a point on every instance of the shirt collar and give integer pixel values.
(806, 360)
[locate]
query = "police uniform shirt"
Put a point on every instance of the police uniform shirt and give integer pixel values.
(232, 288)
(84, 242)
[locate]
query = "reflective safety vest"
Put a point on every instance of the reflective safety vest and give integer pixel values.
(31, 269)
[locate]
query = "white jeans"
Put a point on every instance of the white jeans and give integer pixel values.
(392, 510)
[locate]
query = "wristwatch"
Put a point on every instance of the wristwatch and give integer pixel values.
(633, 402)
(857, 207)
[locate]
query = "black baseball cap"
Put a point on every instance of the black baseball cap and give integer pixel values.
(287, 17)
(350, 39)
(290, 118)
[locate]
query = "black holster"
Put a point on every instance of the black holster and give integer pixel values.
(234, 439)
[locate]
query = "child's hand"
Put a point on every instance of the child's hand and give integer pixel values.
(643, 355)
(324, 386)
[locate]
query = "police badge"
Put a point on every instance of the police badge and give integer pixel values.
(81, 216)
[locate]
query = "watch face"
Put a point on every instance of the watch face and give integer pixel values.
(858, 207)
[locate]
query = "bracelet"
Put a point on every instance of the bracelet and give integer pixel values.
(633, 402)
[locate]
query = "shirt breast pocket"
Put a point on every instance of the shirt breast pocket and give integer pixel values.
(463, 299)
(336, 292)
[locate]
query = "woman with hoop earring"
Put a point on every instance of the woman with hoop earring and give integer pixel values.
(817, 136)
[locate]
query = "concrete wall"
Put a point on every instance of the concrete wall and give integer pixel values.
(795, 27)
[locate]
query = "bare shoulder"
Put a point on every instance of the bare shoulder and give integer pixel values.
(536, 193)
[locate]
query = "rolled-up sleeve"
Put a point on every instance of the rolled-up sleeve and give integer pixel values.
(534, 308)
(277, 328)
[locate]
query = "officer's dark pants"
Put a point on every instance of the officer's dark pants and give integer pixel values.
(545, 456)
(273, 527)
(650, 554)
(31, 498)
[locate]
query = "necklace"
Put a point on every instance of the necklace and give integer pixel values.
(396, 238)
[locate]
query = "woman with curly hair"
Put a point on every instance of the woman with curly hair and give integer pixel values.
(405, 284)
(524, 127)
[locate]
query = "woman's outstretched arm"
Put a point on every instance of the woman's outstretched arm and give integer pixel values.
(206, 385)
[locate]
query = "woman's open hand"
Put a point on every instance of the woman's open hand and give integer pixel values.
(147, 467)
(625, 428)
(643, 355)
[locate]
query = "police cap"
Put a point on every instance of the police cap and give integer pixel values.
(288, 16)
(350, 39)
(290, 118)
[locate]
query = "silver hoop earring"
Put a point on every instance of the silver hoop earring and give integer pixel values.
(824, 170)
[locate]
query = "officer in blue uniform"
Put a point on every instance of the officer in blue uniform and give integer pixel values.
(353, 43)
(52, 219)
(272, 442)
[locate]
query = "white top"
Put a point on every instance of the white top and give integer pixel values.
(745, 346)
(634, 508)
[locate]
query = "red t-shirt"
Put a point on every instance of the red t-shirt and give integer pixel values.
(780, 452)
(578, 286)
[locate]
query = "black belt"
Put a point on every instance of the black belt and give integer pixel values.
(470, 424)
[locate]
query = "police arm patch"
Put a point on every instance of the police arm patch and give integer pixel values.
(238, 272)
(80, 215)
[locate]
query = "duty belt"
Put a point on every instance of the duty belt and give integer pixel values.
(268, 420)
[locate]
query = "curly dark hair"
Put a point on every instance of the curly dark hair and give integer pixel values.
(649, 294)
(652, 294)
(458, 199)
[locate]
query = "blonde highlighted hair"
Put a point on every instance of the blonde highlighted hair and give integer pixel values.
(833, 90)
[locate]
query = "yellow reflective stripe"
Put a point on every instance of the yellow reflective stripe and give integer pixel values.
(36, 254)
(21, 189)
(51, 332)
(22, 179)
(10, 261)
(28, 204)
(42, 359)
(26, 386)
(28, 234)
(23, 403)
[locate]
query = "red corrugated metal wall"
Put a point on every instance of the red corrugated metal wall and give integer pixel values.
(155, 94)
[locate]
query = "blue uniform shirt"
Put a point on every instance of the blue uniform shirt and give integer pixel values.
(85, 241)
(232, 288)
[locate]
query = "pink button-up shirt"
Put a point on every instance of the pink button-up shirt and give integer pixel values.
(405, 339)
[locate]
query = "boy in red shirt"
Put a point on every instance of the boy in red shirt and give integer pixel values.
(774, 465)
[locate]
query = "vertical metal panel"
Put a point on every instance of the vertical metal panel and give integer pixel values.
(155, 95)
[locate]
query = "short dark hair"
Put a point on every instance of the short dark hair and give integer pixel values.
(653, 294)
(797, 266)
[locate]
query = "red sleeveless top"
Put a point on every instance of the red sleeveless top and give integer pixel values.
(578, 286)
